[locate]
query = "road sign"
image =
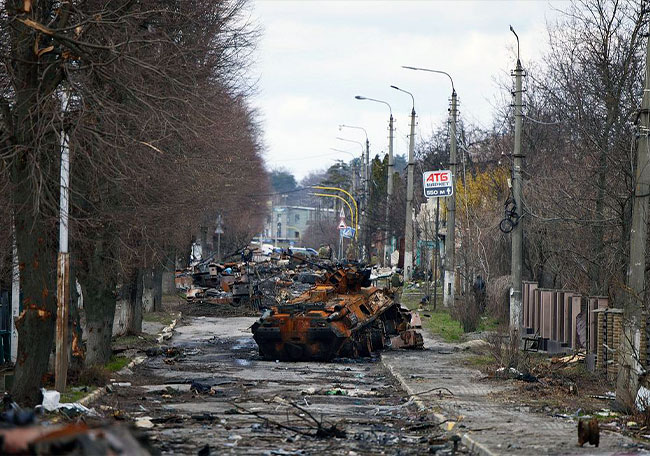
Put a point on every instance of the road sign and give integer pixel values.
(342, 225)
(437, 183)
(347, 232)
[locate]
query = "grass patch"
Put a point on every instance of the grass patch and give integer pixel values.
(479, 360)
(441, 324)
(75, 394)
(488, 324)
(135, 341)
(158, 317)
(116, 363)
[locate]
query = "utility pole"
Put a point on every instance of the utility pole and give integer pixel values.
(389, 192)
(63, 264)
(408, 228)
(391, 165)
(629, 368)
(366, 231)
(450, 240)
(449, 288)
(517, 232)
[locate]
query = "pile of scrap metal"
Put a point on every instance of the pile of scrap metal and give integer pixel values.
(227, 283)
(342, 315)
(22, 433)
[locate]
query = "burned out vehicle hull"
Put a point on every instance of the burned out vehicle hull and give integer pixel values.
(341, 316)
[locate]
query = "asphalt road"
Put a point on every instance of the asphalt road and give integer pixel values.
(212, 389)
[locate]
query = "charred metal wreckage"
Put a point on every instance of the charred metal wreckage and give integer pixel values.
(342, 315)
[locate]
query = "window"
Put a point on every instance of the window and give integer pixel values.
(296, 234)
(297, 218)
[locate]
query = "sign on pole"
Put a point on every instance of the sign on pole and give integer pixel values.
(437, 184)
(347, 232)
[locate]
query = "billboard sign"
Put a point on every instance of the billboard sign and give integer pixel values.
(437, 184)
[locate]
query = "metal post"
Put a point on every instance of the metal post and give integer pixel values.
(449, 287)
(389, 191)
(629, 368)
(408, 229)
(436, 261)
(63, 266)
(517, 232)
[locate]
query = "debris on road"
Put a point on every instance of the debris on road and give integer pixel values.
(342, 315)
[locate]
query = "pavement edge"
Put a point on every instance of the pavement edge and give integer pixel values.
(165, 334)
(474, 446)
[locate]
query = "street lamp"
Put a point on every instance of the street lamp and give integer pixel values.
(352, 168)
(364, 163)
(364, 178)
(391, 165)
(450, 239)
(408, 230)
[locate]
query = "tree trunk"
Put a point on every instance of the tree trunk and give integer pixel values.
(147, 290)
(157, 288)
(134, 303)
(99, 305)
(36, 323)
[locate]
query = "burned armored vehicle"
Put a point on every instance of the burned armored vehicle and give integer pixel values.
(340, 316)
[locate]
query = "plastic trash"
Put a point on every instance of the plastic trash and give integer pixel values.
(642, 398)
(51, 399)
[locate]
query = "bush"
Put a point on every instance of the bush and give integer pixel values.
(467, 312)
(498, 298)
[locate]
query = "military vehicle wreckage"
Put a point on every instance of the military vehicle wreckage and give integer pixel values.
(342, 315)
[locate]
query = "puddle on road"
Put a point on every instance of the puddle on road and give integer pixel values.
(242, 362)
(244, 343)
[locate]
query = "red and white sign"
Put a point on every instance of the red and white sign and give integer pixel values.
(342, 225)
(437, 183)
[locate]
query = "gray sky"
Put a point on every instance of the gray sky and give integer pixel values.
(315, 56)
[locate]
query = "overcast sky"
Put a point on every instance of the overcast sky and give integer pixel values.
(315, 56)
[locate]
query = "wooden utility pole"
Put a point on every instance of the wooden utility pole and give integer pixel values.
(629, 368)
(517, 232)
(63, 265)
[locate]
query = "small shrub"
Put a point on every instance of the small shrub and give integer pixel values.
(504, 348)
(498, 298)
(467, 312)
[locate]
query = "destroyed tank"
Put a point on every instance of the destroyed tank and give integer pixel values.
(342, 315)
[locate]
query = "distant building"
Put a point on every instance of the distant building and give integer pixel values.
(286, 225)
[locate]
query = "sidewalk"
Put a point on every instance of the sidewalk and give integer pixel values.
(488, 427)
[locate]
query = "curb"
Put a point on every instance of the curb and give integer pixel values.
(473, 446)
(165, 334)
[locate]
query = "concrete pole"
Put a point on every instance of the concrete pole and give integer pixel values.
(389, 192)
(517, 232)
(449, 287)
(366, 190)
(408, 229)
(629, 369)
(63, 266)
